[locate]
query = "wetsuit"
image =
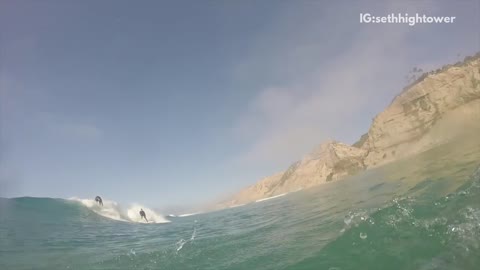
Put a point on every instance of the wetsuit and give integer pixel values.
(142, 214)
(99, 200)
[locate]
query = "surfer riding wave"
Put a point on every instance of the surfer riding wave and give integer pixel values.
(130, 213)
(98, 199)
(143, 215)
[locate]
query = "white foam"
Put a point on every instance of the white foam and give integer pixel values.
(182, 242)
(189, 214)
(237, 205)
(113, 210)
(269, 198)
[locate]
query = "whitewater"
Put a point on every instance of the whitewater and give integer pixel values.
(115, 211)
(270, 198)
(421, 213)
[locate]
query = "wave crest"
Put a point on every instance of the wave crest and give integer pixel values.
(114, 210)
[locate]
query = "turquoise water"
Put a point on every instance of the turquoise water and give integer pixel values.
(421, 213)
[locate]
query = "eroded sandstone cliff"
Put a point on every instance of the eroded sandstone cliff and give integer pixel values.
(423, 108)
(437, 108)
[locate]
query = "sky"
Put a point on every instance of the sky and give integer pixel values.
(184, 102)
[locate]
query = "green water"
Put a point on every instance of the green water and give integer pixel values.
(421, 213)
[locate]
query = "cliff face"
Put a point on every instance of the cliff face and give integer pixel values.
(422, 109)
(262, 189)
(330, 161)
(439, 107)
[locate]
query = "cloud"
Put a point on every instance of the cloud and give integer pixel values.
(333, 97)
(21, 106)
(72, 129)
(81, 131)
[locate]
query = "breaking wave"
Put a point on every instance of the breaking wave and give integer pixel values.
(114, 210)
(273, 197)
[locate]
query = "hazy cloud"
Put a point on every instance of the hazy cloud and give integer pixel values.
(58, 125)
(286, 120)
(82, 131)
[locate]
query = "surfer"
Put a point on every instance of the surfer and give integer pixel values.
(98, 199)
(143, 215)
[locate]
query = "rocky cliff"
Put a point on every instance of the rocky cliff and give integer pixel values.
(330, 161)
(438, 107)
(430, 112)
(262, 189)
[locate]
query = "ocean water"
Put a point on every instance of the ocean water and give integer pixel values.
(420, 213)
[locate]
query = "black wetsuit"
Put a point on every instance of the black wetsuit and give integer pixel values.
(142, 214)
(99, 200)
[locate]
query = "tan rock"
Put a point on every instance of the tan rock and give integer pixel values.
(420, 109)
(261, 189)
(330, 161)
(439, 107)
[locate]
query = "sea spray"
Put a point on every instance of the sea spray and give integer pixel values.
(114, 210)
(179, 245)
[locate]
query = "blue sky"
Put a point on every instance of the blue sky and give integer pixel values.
(181, 102)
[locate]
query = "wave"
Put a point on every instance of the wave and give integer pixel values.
(237, 205)
(433, 232)
(189, 214)
(179, 245)
(273, 197)
(114, 210)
